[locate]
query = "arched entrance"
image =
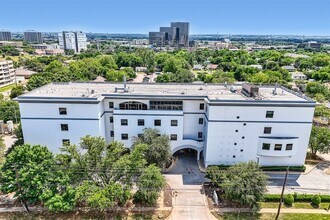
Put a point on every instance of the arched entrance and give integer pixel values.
(189, 147)
(185, 163)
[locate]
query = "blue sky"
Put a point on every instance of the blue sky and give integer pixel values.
(303, 17)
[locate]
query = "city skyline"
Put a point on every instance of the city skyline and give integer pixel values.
(252, 17)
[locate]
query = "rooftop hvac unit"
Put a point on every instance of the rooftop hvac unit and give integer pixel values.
(250, 90)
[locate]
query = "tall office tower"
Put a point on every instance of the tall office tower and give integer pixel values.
(169, 33)
(5, 36)
(177, 35)
(156, 38)
(181, 37)
(73, 40)
(33, 37)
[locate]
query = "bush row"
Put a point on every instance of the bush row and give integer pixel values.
(297, 197)
(283, 168)
(270, 168)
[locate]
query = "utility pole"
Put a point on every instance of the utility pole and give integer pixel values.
(280, 204)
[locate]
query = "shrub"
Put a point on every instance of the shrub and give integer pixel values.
(288, 199)
(283, 168)
(316, 200)
(297, 197)
(272, 197)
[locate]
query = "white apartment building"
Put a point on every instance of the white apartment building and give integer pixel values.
(76, 41)
(7, 72)
(224, 124)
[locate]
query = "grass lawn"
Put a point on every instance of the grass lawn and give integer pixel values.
(271, 216)
(8, 87)
(297, 205)
(85, 215)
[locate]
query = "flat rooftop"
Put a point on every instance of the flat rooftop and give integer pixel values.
(213, 92)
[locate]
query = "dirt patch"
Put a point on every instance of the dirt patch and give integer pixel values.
(85, 215)
(167, 196)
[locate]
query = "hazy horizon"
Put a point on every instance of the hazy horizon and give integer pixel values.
(223, 17)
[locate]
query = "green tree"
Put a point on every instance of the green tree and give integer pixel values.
(158, 147)
(149, 185)
(19, 135)
(183, 76)
(319, 140)
(16, 91)
(2, 150)
(9, 111)
(243, 183)
(26, 171)
(322, 111)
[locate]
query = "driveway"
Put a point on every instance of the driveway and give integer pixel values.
(316, 181)
(185, 179)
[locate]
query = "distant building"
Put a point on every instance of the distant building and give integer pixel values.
(314, 45)
(197, 67)
(156, 38)
(5, 36)
(141, 69)
(212, 66)
(33, 37)
(76, 41)
(257, 66)
(11, 43)
(7, 72)
(298, 76)
(289, 68)
(176, 35)
(23, 74)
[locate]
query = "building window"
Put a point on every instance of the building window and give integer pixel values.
(234, 156)
(157, 122)
(267, 130)
(62, 111)
(288, 147)
(174, 137)
(111, 119)
(270, 114)
(133, 106)
(235, 143)
(65, 142)
(174, 123)
(201, 106)
(266, 146)
(166, 105)
(110, 104)
(124, 122)
(241, 150)
(140, 135)
(243, 137)
(140, 122)
(124, 136)
(278, 147)
(244, 124)
(200, 135)
(236, 130)
(237, 117)
(200, 121)
(64, 127)
(111, 133)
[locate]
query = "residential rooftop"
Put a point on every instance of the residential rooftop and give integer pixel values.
(214, 92)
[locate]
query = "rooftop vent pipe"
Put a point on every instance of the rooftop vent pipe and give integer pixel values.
(122, 89)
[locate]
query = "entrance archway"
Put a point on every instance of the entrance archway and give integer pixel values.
(185, 163)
